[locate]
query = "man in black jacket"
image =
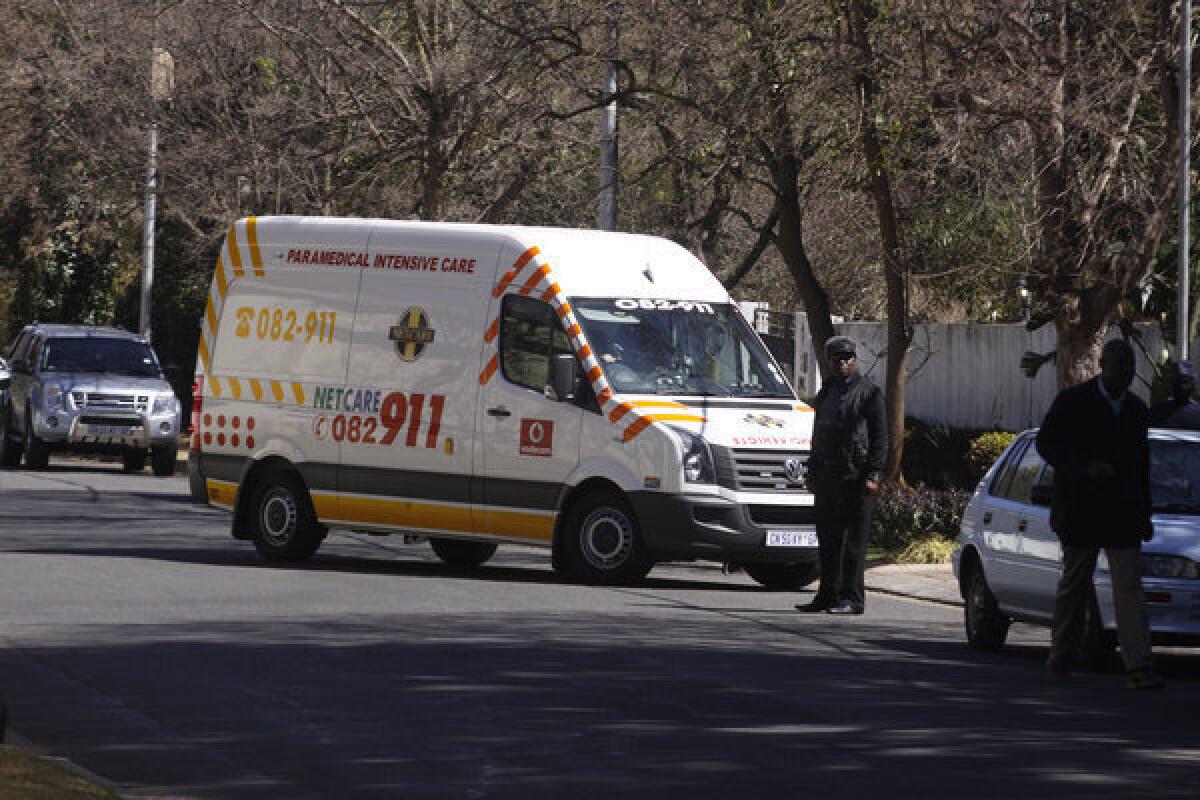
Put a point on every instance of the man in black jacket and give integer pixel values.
(1095, 438)
(849, 450)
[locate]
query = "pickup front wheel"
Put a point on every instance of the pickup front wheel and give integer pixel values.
(602, 541)
(37, 453)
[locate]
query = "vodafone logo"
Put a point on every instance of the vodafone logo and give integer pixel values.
(537, 437)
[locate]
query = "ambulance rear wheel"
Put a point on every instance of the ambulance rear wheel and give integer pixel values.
(602, 541)
(463, 554)
(285, 526)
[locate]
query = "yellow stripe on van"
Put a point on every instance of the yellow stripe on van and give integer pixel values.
(657, 404)
(222, 284)
(256, 389)
(235, 258)
(326, 506)
(221, 492)
(252, 238)
(210, 315)
(277, 390)
(236, 387)
(405, 513)
(215, 385)
(298, 390)
(204, 354)
(519, 525)
(676, 418)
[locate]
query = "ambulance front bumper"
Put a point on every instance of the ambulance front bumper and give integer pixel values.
(714, 528)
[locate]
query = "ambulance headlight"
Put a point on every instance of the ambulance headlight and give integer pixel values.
(697, 458)
(166, 404)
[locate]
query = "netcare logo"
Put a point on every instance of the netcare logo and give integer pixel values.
(763, 420)
(412, 335)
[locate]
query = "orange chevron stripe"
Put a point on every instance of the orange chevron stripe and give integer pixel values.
(256, 389)
(583, 352)
(222, 284)
(563, 309)
(619, 411)
(490, 335)
(277, 390)
(511, 275)
(252, 237)
(535, 278)
(298, 390)
(235, 258)
(637, 427)
(594, 374)
(204, 354)
(236, 387)
(215, 385)
(489, 370)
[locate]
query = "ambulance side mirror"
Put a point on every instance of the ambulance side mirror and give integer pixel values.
(565, 378)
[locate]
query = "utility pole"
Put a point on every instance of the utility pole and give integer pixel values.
(608, 137)
(162, 76)
(1182, 328)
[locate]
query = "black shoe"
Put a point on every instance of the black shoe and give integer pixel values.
(846, 608)
(815, 607)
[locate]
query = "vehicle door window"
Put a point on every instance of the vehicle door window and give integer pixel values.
(530, 336)
(1025, 477)
(1004, 474)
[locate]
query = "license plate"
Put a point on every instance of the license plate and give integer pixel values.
(111, 430)
(791, 538)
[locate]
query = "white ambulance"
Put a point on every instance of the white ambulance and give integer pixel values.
(594, 393)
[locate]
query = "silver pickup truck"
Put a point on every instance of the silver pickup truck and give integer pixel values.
(87, 389)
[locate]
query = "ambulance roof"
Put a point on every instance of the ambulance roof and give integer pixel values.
(587, 263)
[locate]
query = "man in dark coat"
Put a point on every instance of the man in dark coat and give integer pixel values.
(1095, 438)
(1180, 411)
(849, 450)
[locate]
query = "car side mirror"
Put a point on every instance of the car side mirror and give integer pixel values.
(565, 377)
(1042, 494)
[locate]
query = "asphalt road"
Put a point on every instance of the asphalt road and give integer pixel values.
(139, 640)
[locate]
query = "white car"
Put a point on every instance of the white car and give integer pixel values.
(1009, 560)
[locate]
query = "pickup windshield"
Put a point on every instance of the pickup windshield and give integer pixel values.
(1175, 477)
(95, 354)
(678, 348)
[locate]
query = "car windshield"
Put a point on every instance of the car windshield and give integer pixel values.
(1175, 477)
(678, 348)
(96, 354)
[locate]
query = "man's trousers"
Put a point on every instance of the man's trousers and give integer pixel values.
(843, 513)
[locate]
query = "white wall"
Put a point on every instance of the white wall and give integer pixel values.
(966, 375)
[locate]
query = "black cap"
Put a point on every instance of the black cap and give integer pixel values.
(839, 346)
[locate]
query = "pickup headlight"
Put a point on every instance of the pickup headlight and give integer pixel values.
(1154, 566)
(55, 397)
(697, 458)
(166, 404)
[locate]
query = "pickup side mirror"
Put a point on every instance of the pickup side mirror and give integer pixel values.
(1042, 494)
(565, 377)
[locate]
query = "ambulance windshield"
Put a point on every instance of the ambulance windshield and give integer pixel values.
(678, 348)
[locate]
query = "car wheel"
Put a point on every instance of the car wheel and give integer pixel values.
(133, 460)
(285, 526)
(10, 448)
(37, 453)
(1097, 649)
(463, 554)
(602, 542)
(783, 577)
(987, 628)
(162, 460)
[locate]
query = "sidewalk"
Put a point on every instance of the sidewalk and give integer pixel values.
(932, 582)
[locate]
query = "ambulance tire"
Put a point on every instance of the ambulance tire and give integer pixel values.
(783, 577)
(162, 460)
(10, 447)
(284, 523)
(602, 541)
(462, 554)
(37, 452)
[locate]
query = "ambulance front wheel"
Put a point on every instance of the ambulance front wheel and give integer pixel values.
(285, 526)
(602, 541)
(462, 554)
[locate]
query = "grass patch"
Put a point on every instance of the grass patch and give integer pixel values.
(24, 776)
(928, 550)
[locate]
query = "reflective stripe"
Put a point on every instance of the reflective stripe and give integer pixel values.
(298, 390)
(637, 427)
(277, 390)
(256, 389)
(489, 370)
(221, 492)
(252, 238)
(490, 335)
(235, 258)
(236, 386)
(204, 360)
(620, 411)
(511, 275)
(222, 285)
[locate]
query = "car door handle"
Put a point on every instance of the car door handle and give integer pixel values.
(987, 518)
(1022, 525)
(499, 411)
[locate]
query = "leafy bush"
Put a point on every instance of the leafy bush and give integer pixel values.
(934, 455)
(933, 550)
(904, 515)
(984, 450)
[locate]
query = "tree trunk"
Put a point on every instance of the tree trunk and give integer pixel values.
(1078, 351)
(898, 334)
